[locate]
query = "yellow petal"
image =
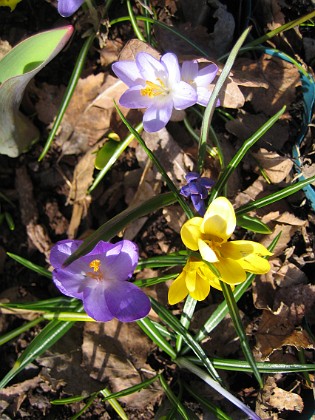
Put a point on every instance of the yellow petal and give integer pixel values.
(248, 255)
(231, 271)
(178, 290)
(219, 219)
(202, 289)
(190, 278)
(206, 252)
(240, 249)
(191, 232)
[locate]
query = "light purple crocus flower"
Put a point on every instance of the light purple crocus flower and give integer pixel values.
(66, 8)
(197, 190)
(99, 279)
(155, 85)
(200, 79)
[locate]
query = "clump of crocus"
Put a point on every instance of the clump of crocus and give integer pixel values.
(197, 190)
(100, 279)
(233, 259)
(201, 79)
(155, 85)
(66, 8)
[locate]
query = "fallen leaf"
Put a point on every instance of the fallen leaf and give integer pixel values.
(117, 352)
(276, 167)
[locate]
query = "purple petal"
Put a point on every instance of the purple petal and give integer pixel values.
(133, 99)
(185, 191)
(66, 8)
(189, 71)
(191, 176)
(150, 68)
(62, 250)
(206, 75)
(194, 188)
(157, 116)
(95, 302)
(198, 204)
(128, 72)
(206, 182)
(203, 94)
(70, 284)
(170, 62)
(127, 302)
(121, 261)
(184, 95)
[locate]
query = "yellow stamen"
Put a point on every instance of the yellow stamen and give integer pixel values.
(95, 264)
(154, 89)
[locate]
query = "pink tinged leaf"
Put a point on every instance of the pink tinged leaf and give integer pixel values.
(128, 72)
(184, 95)
(157, 116)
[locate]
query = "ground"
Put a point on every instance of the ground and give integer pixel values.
(47, 202)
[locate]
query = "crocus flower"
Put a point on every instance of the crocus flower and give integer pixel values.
(66, 8)
(9, 3)
(99, 279)
(200, 79)
(197, 190)
(155, 85)
(195, 280)
(209, 235)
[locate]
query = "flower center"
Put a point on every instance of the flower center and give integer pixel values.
(152, 89)
(96, 274)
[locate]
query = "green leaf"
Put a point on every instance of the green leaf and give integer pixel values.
(17, 68)
(253, 224)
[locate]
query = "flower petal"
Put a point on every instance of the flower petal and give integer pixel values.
(203, 95)
(122, 260)
(70, 284)
(150, 68)
(189, 71)
(127, 302)
(219, 220)
(157, 116)
(170, 62)
(178, 290)
(206, 252)
(191, 232)
(231, 271)
(206, 75)
(133, 99)
(128, 72)
(184, 95)
(198, 204)
(192, 176)
(66, 8)
(202, 288)
(95, 303)
(62, 250)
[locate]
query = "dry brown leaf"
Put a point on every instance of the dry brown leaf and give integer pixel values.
(282, 77)
(133, 47)
(247, 124)
(277, 167)
(5, 47)
(272, 398)
(117, 352)
(278, 330)
(78, 196)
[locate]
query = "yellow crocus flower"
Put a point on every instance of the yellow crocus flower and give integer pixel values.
(209, 235)
(9, 3)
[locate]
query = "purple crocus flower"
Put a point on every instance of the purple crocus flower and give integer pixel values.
(155, 85)
(66, 8)
(99, 279)
(197, 190)
(200, 79)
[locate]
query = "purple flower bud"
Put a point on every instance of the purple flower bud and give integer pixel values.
(99, 279)
(197, 190)
(66, 8)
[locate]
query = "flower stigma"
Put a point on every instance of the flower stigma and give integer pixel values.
(152, 89)
(96, 274)
(95, 264)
